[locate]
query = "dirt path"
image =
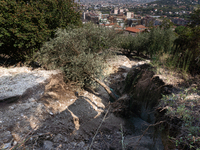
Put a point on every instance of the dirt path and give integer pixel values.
(63, 119)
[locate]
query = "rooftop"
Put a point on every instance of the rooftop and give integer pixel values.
(132, 29)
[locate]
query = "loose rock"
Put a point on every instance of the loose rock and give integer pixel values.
(48, 145)
(58, 138)
(6, 137)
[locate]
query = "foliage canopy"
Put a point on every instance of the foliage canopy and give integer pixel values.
(187, 45)
(25, 25)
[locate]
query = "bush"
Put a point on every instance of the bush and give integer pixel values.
(160, 40)
(184, 107)
(26, 25)
(179, 29)
(79, 52)
(134, 43)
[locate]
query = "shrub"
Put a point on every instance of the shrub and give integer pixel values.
(160, 40)
(79, 52)
(127, 43)
(135, 44)
(179, 29)
(26, 25)
(184, 107)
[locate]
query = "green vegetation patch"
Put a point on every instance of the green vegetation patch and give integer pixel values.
(151, 43)
(26, 25)
(80, 52)
(184, 106)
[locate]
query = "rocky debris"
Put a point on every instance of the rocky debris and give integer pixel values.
(6, 137)
(59, 138)
(121, 106)
(6, 146)
(17, 119)
(75, 146)
(48, 145)
(56, 118)
(19, 81)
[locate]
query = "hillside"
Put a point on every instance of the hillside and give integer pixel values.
(68, 85)
(50, 115)
(46, 113)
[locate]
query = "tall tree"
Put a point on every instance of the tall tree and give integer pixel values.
(25, 25)
(188, 43)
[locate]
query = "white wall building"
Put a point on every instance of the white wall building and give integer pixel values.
(116, 11)
(128, 15)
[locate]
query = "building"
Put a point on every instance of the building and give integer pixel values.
(120, 11)
(113, 25)
(133, 22)
(129, 15)
(148, 21)
(116, 11)
(158, 22)
(134, 30)
(140, 27)
(180, 21)
(131, 30)
(91, 16)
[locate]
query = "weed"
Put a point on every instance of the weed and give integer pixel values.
(184, 107)
(122, 141)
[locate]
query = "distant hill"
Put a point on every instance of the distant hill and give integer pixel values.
(173, 2)
(120, 1)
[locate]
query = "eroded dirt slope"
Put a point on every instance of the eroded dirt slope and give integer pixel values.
(61, 118)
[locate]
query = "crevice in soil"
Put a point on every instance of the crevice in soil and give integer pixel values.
(67, 120)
